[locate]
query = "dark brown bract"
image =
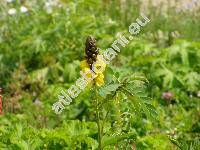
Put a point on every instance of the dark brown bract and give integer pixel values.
(91, 50)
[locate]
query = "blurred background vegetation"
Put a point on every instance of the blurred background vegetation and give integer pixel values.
(42, 44)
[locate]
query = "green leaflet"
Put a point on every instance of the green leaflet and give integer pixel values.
(115, 139)
(139, 106)
(106, 90)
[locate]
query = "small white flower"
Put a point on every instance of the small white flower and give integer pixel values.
(49, 10)
(47, 4)
(37, 102)
(48, 7)
(9, 1)
(198, 94)
(24, 9)
(12, 11)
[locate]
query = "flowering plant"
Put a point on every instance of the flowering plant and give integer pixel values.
(108, 95)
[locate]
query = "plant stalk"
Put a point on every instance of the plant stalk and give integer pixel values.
(98, 122)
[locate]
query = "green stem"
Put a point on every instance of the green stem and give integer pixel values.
(98, 122)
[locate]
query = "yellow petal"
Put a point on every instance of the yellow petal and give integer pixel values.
(89, 74)
(99, 65)
(99, 80)
(101, 61)
(84, 64)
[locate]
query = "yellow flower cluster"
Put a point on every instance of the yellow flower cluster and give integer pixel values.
(98, 68)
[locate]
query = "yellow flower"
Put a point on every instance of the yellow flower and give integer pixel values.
(99, 59)
(84, 64)
(89, 74)
(100, 67)
(99, 80)
(85, 68)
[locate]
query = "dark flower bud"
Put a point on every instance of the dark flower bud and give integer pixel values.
(91, 50)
